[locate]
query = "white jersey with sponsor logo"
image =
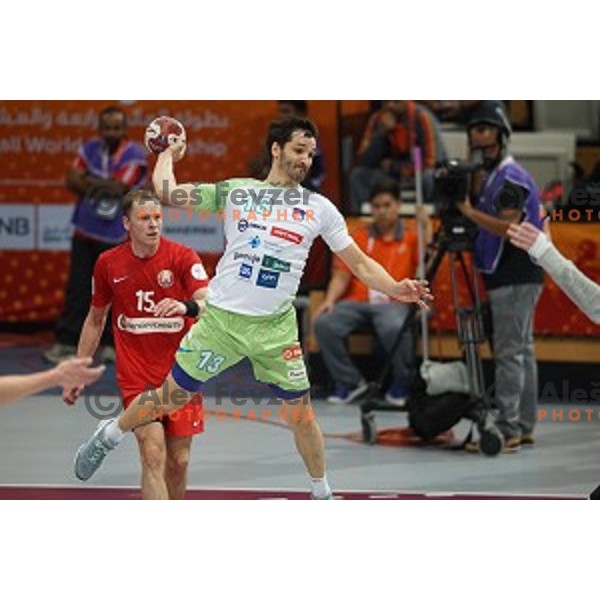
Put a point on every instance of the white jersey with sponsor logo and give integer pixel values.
(268, 232)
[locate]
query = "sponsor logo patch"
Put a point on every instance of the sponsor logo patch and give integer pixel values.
(267, 279)
(276, 264)
(254, 243)
(245, 271)
(298, 214)
(251, 258)
(142, 325)
(294, 374)
(286, 234)
(292, 353)
(244, 224)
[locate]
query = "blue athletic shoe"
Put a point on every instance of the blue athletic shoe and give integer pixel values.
(343, 395)
(397, 395)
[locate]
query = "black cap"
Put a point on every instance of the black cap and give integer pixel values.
(491, 112)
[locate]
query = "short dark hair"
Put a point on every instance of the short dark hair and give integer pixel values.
(387, 187)
(136, 195)
(281, 131)
(300, 106)
(111, 110)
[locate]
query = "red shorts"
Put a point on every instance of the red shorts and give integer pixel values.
(188, 420)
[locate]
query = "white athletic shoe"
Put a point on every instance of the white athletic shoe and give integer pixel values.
(90, 455)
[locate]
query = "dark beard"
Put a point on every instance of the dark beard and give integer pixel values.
(292, 173)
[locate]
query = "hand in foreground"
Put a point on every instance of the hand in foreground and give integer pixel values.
(71, 395)
(413, 290)
(77, 371)
(74, 374)
(524, 235)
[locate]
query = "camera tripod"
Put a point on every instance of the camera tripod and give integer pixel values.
(470, 333)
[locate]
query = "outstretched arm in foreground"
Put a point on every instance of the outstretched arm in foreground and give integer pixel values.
(582, 290)
(71, 373)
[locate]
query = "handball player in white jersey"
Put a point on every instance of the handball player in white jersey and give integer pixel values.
(269, 228)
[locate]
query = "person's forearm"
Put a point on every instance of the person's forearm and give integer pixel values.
(76, 183)
(83, 183)
(488, 222)
(90, 337)
(582, 290)
(374, 276)
(337, 287)
(111, 185)
(13, 387)
(163, 177)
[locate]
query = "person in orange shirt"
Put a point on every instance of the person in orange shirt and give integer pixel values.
(349, 304)
(385, 151)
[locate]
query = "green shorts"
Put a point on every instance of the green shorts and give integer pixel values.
(220, 339)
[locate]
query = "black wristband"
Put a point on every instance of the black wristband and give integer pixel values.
(191, 308)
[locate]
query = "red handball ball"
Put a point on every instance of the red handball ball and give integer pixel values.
(162, 133)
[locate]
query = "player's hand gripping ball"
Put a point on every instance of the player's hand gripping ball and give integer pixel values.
(164, 132)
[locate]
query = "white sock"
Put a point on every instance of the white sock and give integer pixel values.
(113, 433)
(320, 487)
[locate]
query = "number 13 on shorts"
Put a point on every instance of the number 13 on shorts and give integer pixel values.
(209, 361)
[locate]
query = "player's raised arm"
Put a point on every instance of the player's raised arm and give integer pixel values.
(170, 193)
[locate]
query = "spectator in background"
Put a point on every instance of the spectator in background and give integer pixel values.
(385, 152)
(261, 164)
(453, 111)
(349, 304)
(105, 169)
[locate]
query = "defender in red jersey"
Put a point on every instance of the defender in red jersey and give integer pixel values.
(155, 288)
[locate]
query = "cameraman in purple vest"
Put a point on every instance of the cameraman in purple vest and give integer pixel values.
(505, 193)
